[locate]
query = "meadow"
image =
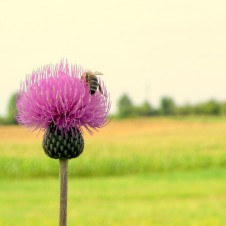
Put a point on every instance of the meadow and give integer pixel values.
(140, 172)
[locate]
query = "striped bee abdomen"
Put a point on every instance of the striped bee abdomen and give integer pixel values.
(93, 84)
(92, 81)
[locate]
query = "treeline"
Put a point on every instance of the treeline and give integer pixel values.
(167, 107)
(126, 108)
(10, 117)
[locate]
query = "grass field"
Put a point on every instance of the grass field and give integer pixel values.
(171, 199)
(158, 172)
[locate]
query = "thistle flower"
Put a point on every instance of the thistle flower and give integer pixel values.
(56, 99)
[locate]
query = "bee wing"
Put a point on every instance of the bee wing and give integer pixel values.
(97, 73)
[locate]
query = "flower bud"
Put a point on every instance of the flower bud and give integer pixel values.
(58, 144)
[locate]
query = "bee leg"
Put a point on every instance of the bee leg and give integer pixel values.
(101, 91)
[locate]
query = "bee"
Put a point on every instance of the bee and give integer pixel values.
(92, 81)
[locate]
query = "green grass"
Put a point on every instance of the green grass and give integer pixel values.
(196, 198)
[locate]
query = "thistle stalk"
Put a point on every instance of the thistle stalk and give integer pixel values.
(63, 173)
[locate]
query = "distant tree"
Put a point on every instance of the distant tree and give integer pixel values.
(211, 107)
(198, 109)
(145, 109)
(223, 108)
(12, 110)
(125, 106)
(167, 106)
(3, 121)
(186, 109)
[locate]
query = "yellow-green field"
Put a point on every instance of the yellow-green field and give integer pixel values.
(122, 148)
(159, 172)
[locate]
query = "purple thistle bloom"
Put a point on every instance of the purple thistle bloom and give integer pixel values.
(56, 94)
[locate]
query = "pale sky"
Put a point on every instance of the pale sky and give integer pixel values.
(145, 48)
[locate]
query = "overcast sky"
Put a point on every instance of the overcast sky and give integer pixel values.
(146, 48)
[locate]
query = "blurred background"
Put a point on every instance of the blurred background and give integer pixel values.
(161, 160)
